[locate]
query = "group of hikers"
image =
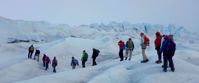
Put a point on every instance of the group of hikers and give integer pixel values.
(74, 62)
(46, 60)
(163, 44)
(94, 56)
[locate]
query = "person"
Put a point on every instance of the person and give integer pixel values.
(144, 44)
(84, 58)
(94, 56)
(157, 46)
(47, 62)
(54, 64)
(129, 49)
(31, 50)
(74, 63)
(121, 48)
(37, 54)
(43, 59)
(168, 49)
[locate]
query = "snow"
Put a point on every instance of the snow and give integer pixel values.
(64, 41)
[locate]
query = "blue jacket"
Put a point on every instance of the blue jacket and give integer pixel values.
(168, 47)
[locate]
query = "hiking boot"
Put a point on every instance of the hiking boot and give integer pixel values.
(173, 70)
(164, 70)
(144, 61)
(147, 60)
(158, 61)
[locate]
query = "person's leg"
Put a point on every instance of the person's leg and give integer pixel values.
(165, 63)
(126, 53)
(31, 54)
(54, 69)
(38, 57)
(171, 64)
(34, 56)
(144, 54)
(95, 63)
(130, 52)
(121, 54)
(159, 55)
(83, 64)
(46, 66)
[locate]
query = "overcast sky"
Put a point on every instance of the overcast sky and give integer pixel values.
(76, 12)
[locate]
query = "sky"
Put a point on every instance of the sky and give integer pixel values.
(76, 12)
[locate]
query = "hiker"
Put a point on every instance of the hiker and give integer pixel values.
(157, 47)
(31, 50)
(47, 62)
(74, 63)
(144, 44)
(84, 58)
(121, 48)
(94, 56)
(54, 64)
(37, 52)
(43, 59)
(129, 49)
(168, 48)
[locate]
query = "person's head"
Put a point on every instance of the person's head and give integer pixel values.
(54, 57)
(129, 39)
(73, 57)
(93, 48)
(158, 33)
(84, 51)
(141, 34)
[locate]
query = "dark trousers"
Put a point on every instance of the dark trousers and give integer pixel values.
(83, 63)
(121, 54)
(159, 54)
(54, 69)
(167, 59)
(46, 65)
(30, 54)
(36, 56)
(94, 62)
(43, 63)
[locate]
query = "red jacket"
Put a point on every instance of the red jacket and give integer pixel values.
(158, 41)
(121, 44)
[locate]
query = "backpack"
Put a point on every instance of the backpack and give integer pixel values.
(171, 47)
(54, 63)
(146, 40)
(121, 45)
(130, 44)
(76, 62)
(97, 51)
(86, 56)
(31, 48)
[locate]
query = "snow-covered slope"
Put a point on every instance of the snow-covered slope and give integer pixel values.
(65, 41)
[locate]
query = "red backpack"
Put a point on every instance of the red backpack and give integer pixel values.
(146, 40)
